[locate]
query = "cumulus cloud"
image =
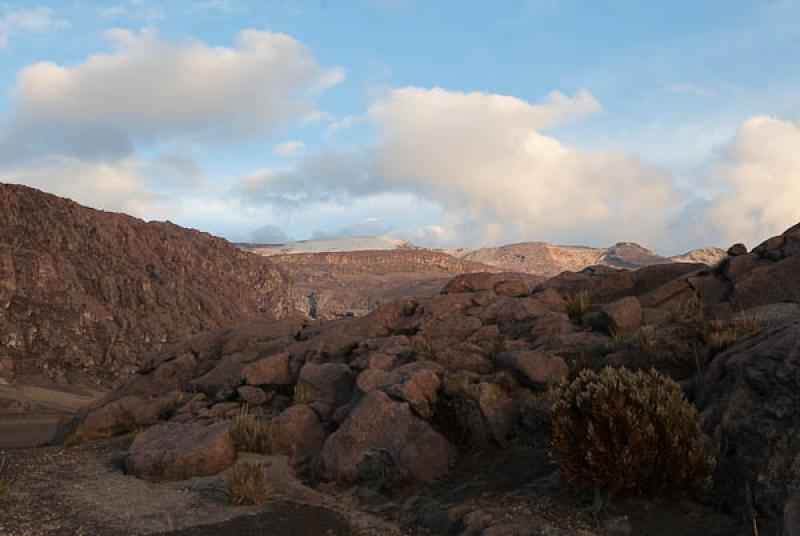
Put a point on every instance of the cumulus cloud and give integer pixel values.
(760, 182)
(115, 186)
(147, 89)
(38, 19)
(485, 159)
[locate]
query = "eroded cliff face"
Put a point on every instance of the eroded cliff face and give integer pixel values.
(85, 294)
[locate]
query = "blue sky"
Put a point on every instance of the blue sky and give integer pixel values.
(674, 124)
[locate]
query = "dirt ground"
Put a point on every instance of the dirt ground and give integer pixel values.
(82, 491)
(29, 413)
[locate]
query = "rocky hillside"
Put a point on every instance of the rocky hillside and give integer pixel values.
(326, 286)
(433, 389)
(85, 294)
(331, 245)
(548, 260)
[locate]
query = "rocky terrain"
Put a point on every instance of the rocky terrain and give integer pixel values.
(548, 260)
(85, 295)
(430, 415)
(326, 286)
(331, 245)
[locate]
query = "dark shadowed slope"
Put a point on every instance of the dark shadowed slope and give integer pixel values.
(85, 294)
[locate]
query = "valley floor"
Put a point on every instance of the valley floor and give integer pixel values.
(82, 491)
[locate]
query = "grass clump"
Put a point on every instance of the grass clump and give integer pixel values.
(80, 437)
(628, 432)
(247, 483)
(5, 479)
(302, 394)
(251, 433)
(578, 305)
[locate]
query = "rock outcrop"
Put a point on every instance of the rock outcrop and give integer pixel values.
(85, 295)
(396, 397)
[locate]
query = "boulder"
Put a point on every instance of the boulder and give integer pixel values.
(536, 369)
(270, 370)
(621, 316)
(473, 282)
(298, 433)
(252, 396)
(173, 451)
(175, 372)
(116, 417)
(514, 288)
(750, 406)
(737, 250)
(383, 443)
(772, 283)
(222, 380)
(328, 383)
(416, 383)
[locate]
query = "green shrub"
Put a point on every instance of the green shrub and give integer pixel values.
(622, 431)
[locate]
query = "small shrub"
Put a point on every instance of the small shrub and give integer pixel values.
(577, 305)
(251, 433)
(247, 483)
(622, 431)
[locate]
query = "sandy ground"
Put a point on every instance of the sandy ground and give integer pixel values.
(29, 413)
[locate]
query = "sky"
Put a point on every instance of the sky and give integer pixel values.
(449, 123)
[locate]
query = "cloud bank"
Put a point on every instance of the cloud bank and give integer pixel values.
(149, 89)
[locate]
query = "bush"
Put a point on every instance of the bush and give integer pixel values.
(251, 433)
(622, 431)
(247, 483)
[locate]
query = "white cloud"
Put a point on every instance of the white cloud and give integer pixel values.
(290, 148)
(148, 89)
(760, 180)
(499, 178)
(115, 186)
(40, 19)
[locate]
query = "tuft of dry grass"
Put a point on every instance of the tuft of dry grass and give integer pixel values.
(722, 335)
(247, 483)
(251, 433)
(79, 437)
(5, 479)
(302, 394)
(578, 305)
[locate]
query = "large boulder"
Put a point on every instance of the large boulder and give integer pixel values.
(383, 443)
(750, 406)
(622, 316)
(536, 369)
(473, 282)
(116, 417)
(328, 383)
(172, 451)
(297, 433)
(270, 370)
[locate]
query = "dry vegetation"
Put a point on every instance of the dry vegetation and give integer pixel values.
(5, 479)
(622, 431)
(578, 305)
(247, 483)
(251, 433)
